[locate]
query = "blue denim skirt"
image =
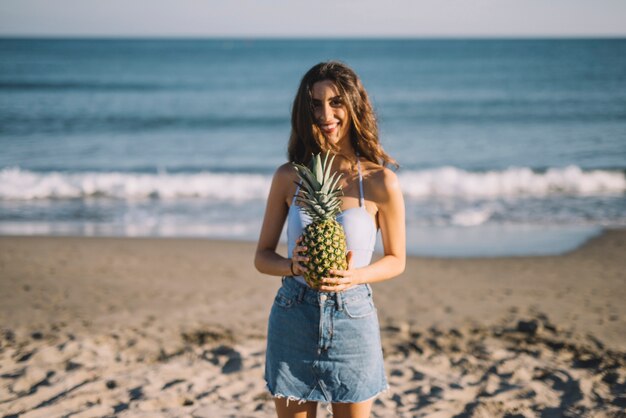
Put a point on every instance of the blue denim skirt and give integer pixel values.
(324, 346)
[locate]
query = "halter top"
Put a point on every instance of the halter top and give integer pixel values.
(357, 223)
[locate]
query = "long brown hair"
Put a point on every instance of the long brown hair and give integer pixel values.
(306, 137)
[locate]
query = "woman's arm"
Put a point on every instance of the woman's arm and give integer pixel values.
(266, 259)
(388, 197)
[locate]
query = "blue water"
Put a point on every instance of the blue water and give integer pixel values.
(495, 138)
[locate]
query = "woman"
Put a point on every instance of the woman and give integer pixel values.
(324, 344)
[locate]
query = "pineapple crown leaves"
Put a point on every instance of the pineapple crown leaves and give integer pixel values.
(320, 190)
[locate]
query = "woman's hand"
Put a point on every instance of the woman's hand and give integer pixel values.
(296, 257)
(346, 279)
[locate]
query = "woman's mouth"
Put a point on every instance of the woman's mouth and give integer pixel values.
(329, 128)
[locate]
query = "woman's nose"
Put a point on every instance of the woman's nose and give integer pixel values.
(326, 113)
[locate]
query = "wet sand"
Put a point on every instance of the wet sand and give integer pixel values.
(134, 327)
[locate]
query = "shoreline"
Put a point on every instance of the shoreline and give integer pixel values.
(95, 326)
(494, 241)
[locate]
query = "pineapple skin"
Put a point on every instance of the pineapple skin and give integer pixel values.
(326, 248)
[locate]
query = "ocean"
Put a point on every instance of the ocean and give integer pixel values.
(506, 147)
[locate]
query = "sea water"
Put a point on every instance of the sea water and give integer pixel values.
(506, 147)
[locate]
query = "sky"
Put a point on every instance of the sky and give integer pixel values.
(320, 18)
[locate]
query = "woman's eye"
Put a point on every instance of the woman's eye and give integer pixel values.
(336, 103)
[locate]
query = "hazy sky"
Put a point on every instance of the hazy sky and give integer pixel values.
(321, 18)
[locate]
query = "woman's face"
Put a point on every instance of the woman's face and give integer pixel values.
(330, 112)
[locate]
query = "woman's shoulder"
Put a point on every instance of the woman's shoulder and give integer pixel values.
(382, 181)
(380, 175)
(286, 171)
(285, 175)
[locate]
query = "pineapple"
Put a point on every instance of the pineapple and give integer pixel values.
(324, 237)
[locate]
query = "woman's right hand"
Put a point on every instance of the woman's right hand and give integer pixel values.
(297, 258)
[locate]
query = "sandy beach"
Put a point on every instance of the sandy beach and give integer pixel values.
(136, 327)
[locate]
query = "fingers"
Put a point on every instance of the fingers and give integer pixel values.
(335, 284)
(298, 248)
(335, 288)
(340, 279)
(297, 268)
(334, 281)
(296, 254)
(297, 258)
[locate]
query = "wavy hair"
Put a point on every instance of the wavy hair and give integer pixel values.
(307, 139)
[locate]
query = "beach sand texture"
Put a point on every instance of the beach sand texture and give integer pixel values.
(135, 327)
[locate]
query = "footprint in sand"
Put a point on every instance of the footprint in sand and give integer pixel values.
(225, 356)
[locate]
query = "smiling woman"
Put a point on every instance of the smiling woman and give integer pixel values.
(323, 335)
(329, 111)
(331, 96)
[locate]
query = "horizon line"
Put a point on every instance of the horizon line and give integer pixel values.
(306, 37)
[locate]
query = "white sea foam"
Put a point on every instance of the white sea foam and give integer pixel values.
(19, 184)
(471, 217)
(160, 228)
(454, 182)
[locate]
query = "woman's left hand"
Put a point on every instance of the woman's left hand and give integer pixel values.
(346, 279)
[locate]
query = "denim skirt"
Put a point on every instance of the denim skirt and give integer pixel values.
(324, 346)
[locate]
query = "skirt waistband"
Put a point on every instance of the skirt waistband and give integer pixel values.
(305, 293)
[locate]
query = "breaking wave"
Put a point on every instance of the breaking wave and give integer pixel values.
(454, 182)
(20, 184)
